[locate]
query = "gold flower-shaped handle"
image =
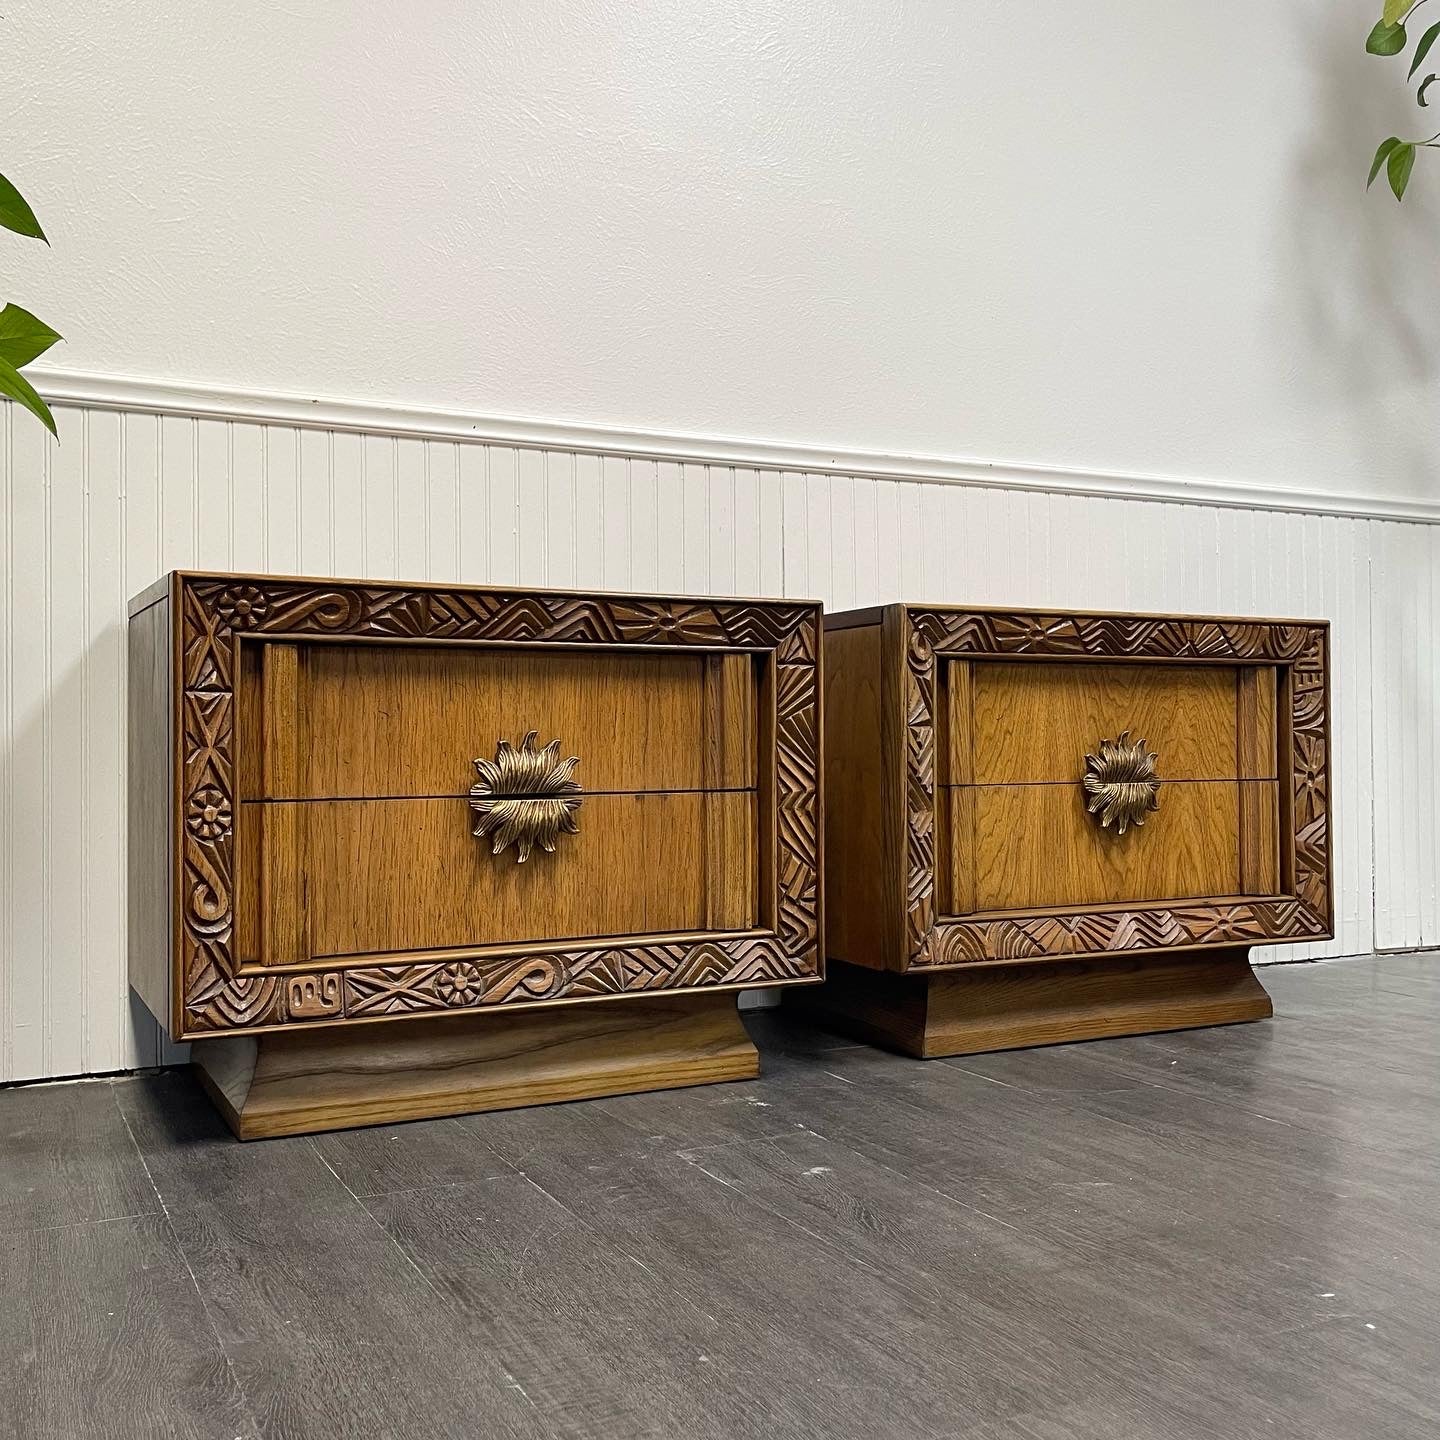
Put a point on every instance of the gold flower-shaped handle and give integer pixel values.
(1121, 783)
(525, 797)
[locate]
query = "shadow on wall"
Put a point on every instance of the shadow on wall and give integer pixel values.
(68, 886)
(1364, 266)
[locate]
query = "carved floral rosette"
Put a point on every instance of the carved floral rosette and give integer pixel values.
(1304, 914)
(215, 611)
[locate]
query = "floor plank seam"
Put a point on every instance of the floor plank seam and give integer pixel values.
(685, 1152)
(82, 1224)
(376, 1222)
(184, 1258)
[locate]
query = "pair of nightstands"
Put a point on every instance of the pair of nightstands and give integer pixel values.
(404, 850)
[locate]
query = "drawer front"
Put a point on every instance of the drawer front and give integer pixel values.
(392, 721)
(1033, 722)
(357, 820)
(377, 877)
(1019, 831)
(1025, 847)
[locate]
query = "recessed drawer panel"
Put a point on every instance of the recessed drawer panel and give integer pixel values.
(323, 721)
(370, 877)
(1034, 846)
(1028, 722)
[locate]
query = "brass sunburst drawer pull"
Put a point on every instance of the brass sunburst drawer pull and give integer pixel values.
(525, 797)
(1121, 783)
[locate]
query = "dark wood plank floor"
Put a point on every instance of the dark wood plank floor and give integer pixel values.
(1224, 1233)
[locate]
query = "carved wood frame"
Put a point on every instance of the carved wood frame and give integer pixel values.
(215, 994)
(1299, 647)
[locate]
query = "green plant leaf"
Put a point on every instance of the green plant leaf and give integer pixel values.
(1381, 155)
(1393, 10)
(17, 387)
(1385, 39)
(15, 214)
(1398, 165)
(1424, 86)
(23, 338)
(1423, 49)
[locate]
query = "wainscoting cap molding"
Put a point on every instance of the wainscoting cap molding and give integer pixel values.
(163, 397)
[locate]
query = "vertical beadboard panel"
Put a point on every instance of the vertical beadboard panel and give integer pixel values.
(412, 508)
(441, 527)
(9, 815)
(62, 708)
(280, 513)
(589, 523)
(614, 538)
(129, 496)
(248, 481)
(102, 664)
(31, 745)
(1405, 618)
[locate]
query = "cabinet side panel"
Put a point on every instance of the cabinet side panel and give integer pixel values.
(148, 820)
(858, 900)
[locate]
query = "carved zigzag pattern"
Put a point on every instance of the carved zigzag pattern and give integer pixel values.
(797, 808)
(466, 984)
(1037, 633)
(1088, 933)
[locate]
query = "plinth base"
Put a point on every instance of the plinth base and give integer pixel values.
(1006, 1007)
(298, 1083)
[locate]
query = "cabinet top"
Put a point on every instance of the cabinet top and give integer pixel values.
(875, 614)
(164, 586)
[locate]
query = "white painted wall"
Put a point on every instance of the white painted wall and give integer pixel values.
(972, 241)
(1089, 235)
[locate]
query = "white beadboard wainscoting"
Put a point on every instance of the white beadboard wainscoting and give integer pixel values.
(130, 493)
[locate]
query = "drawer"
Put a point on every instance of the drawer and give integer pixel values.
(327, 721)
(1034, 722)
(345, 878)
(355, 827)
(1026, 847)
(1019, 833)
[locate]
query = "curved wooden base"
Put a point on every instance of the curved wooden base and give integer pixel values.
(1007, 1007)
(297, 1083)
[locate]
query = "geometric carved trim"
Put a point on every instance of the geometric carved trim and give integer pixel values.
(1304, 914)
(214, 611)
(618, 970)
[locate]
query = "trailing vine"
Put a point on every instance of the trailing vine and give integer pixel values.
(1389, 37)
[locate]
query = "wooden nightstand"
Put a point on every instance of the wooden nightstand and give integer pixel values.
(368, 884)
(983, 894)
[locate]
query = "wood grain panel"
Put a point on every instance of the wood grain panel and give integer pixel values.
(728, 761)
(731, 862)
(958, 698)
(1255, 726)
(955, 848)
(405, 720)
(855, 800)
(284, 756)
(382, 876)
(1034, 721)
(1036, 845)
(1259, 837)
